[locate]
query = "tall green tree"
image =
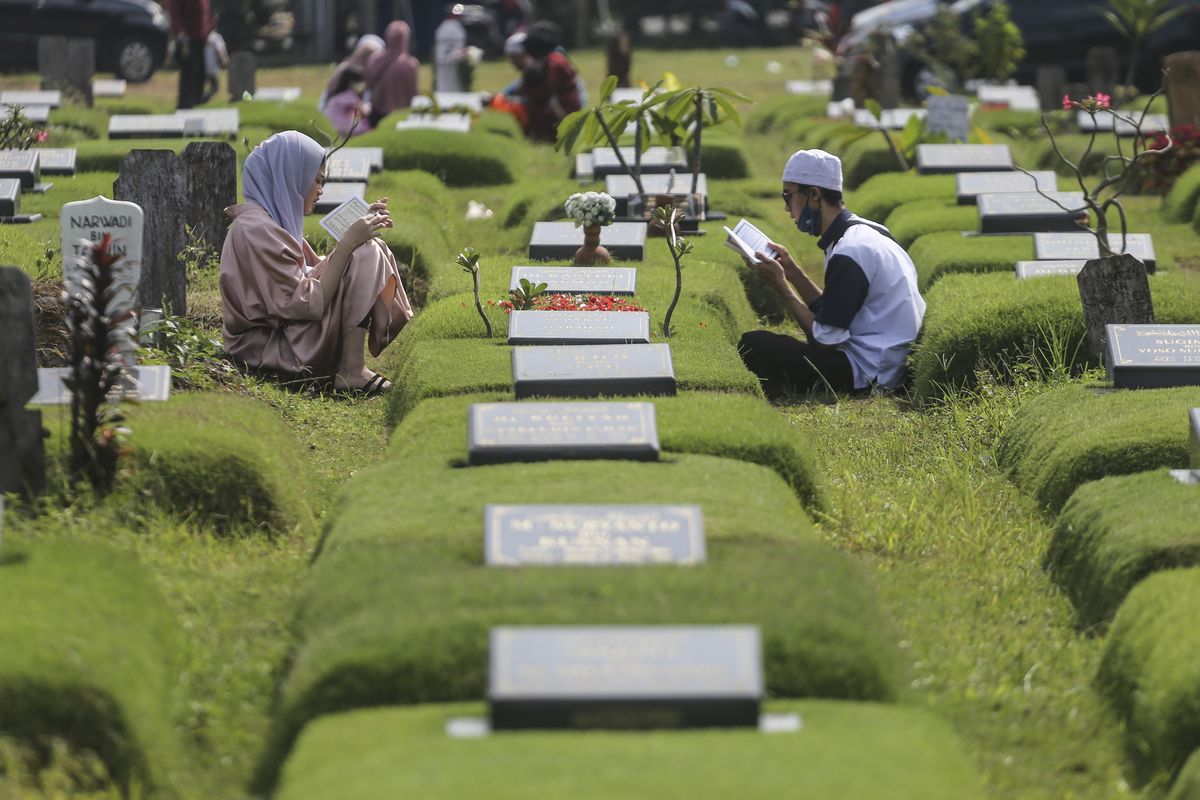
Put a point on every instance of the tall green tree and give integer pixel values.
(1136, 20)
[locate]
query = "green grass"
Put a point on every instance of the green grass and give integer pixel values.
(847, 750)
(943, 253)
(1187, 784)
(1073, 435)
(882, 194)
(1115, 532)
(458, 159)
(864, 159)
(918, 218)
(1183, 200)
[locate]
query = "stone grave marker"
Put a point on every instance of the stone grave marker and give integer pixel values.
(335, 194)
(214, 122)
(498, 433)
(840, 109)
(212, 187)
(558, 241)
(1083, 246)
(157, 181)
(1016, 98)
(655, 159)
(1051, 78)
(84, 223)
(810, 87)
(891, 119)
(578, 327)
(22, 165)
(1153, 356)
(1102, 66)
(630, 93)
(67, 65)
(56, 160)
(1183, 87)
(949, 114)
(340, 169)
(1045, 269)
(1195, 418)
(145, 126)
(592, 535)
(578, 280)
(143, 383)
(1029, 212)
(970, 185)
(933, 159)
(585, 167)
(1102, 121)
(652, 676)
(108, 87)
(1151, 123)
(373, 155)
(278, 94)
(243, 72)
(1113, 291)
(10, 202)
(593, 370)
(38, 115)
(621, 187)
(51, 98)
(22, 454)
(455, 123)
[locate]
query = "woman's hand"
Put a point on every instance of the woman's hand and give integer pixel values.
(367, 226)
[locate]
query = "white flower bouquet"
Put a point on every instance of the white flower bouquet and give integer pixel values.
(591, 208)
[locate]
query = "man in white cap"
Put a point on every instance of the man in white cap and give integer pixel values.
(861, 326)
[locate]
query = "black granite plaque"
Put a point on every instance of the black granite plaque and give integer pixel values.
(140, 383)
(1084, 247)
(593, 535)
(10, 197)
(1195, 417)
(593, 370)
(971, 184)
(1153, 356)
(455, 123)
(1045, 269)
(504, 432)
(579, 327)
(578, 280)
(935, 159)
(558, 241)
(22, 165)
(373, 155)
(57, 160)
(1029, 212)
(334, 194)
(655, 159)
(340, 169)
(51, 98)
(625, 677)
(145, 126)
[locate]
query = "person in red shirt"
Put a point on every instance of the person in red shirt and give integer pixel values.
(549, 87)
(191, 23)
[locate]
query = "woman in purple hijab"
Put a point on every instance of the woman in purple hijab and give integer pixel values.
(287, 311)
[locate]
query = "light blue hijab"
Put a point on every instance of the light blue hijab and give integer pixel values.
(279, 173)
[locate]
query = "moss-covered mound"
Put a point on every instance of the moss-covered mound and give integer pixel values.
(866, 158)
(850, 750)
(1114, 532)
(1071, 435)
(723, 157)
(943, 253)
(458, 159)
(1183, 201)
(882, 194)
(87, 642)
(1187, 784)
(1150, 673)
(911, 221)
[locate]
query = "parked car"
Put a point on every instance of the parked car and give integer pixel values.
(131, 35)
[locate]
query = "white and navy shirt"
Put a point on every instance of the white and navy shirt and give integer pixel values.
(871, 308)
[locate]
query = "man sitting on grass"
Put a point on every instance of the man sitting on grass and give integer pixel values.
(861, 327)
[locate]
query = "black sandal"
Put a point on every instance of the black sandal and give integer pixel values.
(378, 385)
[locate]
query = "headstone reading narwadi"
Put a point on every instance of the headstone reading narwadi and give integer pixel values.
(592, 535)
(578, 280)
(504, 432)
(593, 370)
(1116, 291)
(212, 187)
(558, 241)
(56, 160)
(1153, 356)
(1029, 212)
(243, 69)
(1083, 246)
(949, 114)
(578, 327)
(625, 677)
(157, 181)
(933, 159)
(22, 454)
(22, 165)
(970, 185)
(1047, 269)
(84, 224)
(1183, 87)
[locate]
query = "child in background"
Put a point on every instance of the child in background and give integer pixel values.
(216, 58)
(346, 101)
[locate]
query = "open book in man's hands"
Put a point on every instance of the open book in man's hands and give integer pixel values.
(337, 221)
(747, 240)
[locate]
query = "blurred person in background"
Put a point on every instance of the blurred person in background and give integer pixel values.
(191, 23)
(549, 84)
(347, 108)
(449, 47)
(216, 58)
(391, 74)
(366, 47)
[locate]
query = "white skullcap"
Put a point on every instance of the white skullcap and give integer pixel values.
(515, 44)
(814, 168)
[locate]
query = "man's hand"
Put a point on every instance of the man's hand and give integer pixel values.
(771, 271)
(785, 258)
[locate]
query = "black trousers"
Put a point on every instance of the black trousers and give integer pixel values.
(192, 76)
(785, 364)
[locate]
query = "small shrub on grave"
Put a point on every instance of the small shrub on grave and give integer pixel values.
(921, 217)
(1066, 437)
(468, 261)
(1181, 165)
(458, 159)
(882, 194)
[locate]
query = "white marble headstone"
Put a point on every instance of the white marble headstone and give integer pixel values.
(85, 222)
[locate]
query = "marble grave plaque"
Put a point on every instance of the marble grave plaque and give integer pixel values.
(498, 433)
(210, 121)
(933, 159)
(585, 167)
(593, 535)
(1153, 356)
(51, 98)
(22, 165)
(340, 169)
(810, 87)
(891, 119)
(593, 370)
(558, 241)
(970, 185)
(39, 115)
(334, 194)
(145, 126)
(1029, 212)
(277, 94)
(631, 676)
(137, 383)
(373, 155)
(456, 123)
(578, 280)
(10, 198)
(578, 327)
(1150, 124)
(1045, 269)
(1017, 98)
(57, 160)
(654, 160)
(102, 87)
(1082, 246)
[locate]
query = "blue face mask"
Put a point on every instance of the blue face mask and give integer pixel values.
(809, 221)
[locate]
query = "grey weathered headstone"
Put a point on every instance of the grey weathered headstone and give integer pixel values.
(592, 535)
(1029, 212)
(1015, 98)
(593, 370)
(578, 327)
(108, 87)
(1076, 91)
(335, 194)
(22, 165)
(22, 455)
(949, 114)
(625, 677)
(1114, 291)
(558, 241)
(157, 181)
(505, 432)
(81, 67)
(933, 159)
(57, 160)
(243, 69)
(1183, 87)
(1046, 269)
(212, 187)
(1084, 247)
(67, 65)
(578, 280)
(1051, 78)
(885, 81)
(969, 185)
(1103, 65)
(1153, 356)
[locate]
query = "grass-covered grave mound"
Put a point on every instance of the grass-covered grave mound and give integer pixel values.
(1068, 436)
(918, 218)
(946, 252)
(458, 159)
(1114, 532)
(1183, 200)
(882, 194)
(848, 750)
(86, 658)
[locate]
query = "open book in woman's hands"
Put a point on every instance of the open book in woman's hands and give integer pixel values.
(337, 221)
(747, 241)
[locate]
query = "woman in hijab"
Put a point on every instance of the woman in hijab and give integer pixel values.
(391, 74)
(366, 47)
(287, 311)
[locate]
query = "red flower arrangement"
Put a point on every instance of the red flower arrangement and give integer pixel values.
(575, 302)
(1162, 170)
